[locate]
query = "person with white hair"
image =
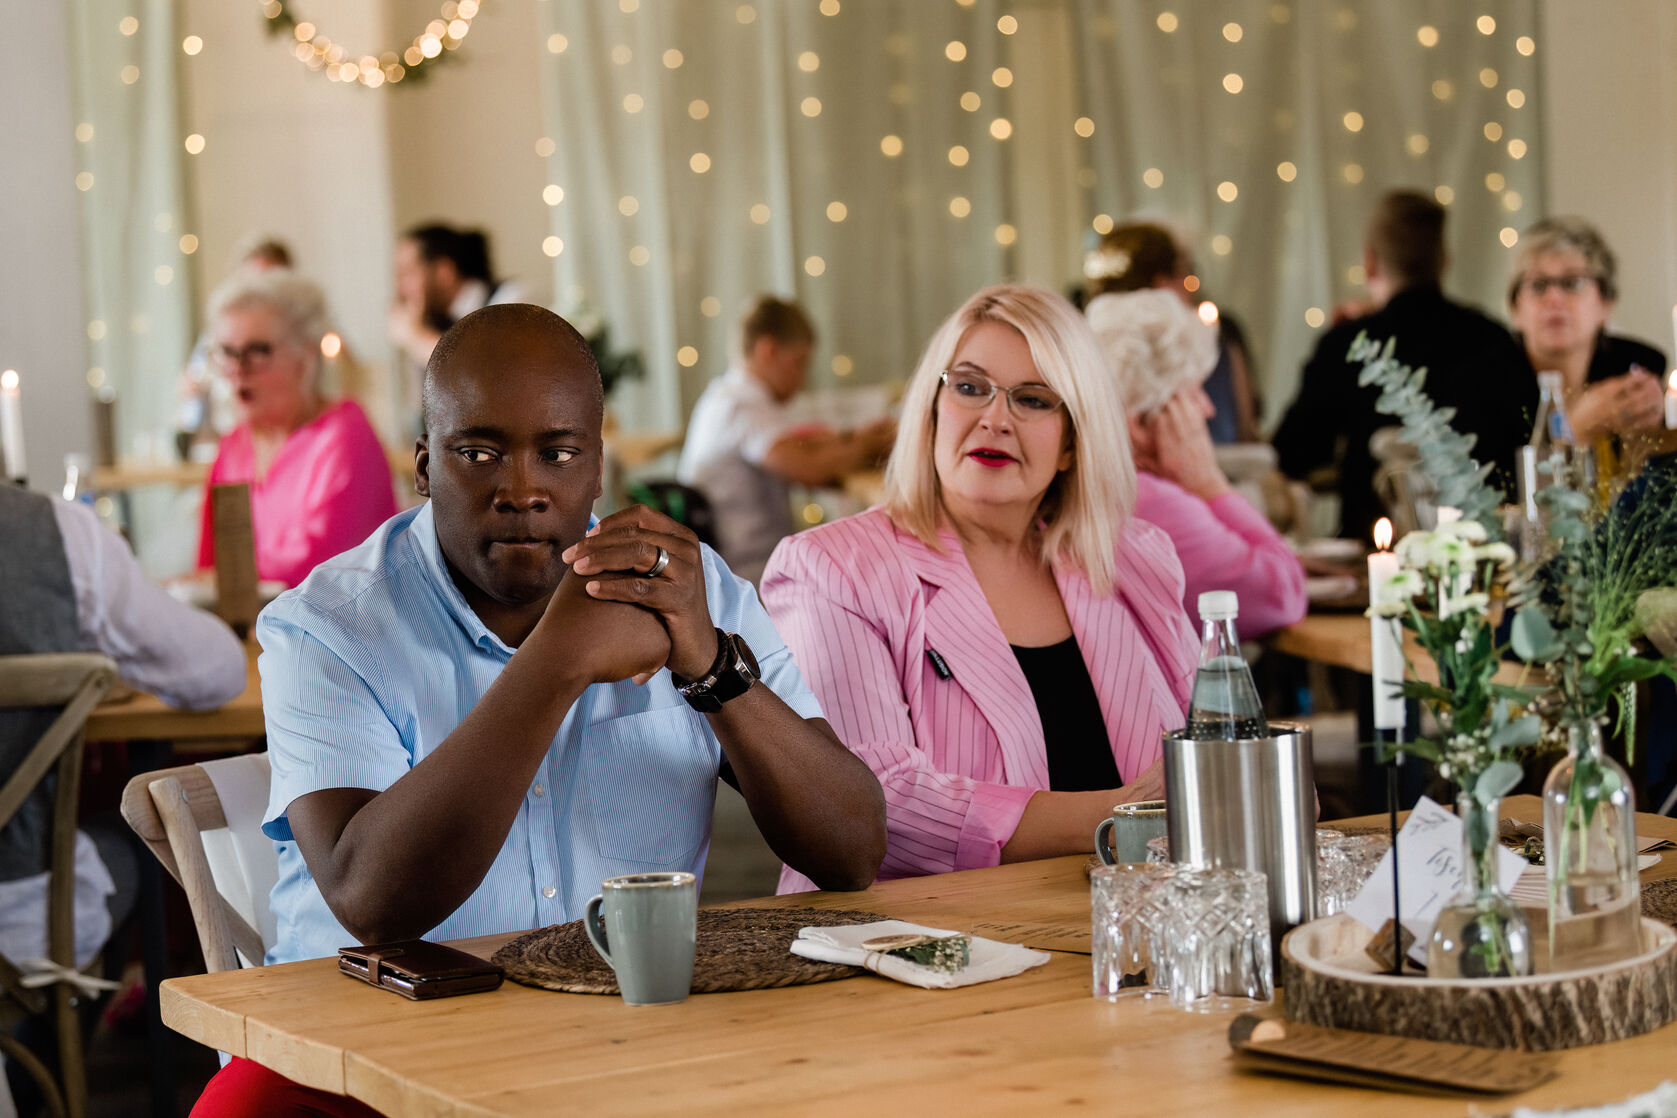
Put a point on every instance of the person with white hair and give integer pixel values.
(1160, 353)
(319, 480)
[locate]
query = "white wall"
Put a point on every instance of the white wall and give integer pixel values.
(42, 325)
(1610, 143)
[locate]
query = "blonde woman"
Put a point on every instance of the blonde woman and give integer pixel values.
(999, 640)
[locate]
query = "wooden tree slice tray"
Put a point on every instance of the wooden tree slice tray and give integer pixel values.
(1331, 981)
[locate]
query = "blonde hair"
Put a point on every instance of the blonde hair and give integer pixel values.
(1088, 504)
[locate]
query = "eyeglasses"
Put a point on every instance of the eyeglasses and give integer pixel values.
(1025, 402)
(1572, 283)
(258, 355)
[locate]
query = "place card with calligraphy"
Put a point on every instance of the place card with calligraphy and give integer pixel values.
(1429, 857)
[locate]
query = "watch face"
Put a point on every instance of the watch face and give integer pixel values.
(745, 654)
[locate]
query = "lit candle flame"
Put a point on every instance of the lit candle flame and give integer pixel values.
(1208, 313)
(8, 379)
(1383, 534)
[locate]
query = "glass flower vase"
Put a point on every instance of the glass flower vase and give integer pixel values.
(1481, 933)
(1589, 850)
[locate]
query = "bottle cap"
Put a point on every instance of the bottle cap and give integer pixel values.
(1219, 605)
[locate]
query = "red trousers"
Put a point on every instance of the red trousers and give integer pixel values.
(246, 1089)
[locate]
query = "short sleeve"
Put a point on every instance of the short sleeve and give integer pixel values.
(326, 727)
(734, 606)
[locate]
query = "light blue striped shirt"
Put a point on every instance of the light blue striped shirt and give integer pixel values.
(376, 658)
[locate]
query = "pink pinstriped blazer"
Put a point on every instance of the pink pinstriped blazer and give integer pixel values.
(864, 606)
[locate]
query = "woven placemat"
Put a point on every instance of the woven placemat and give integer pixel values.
(1659, 900)
(738, 949)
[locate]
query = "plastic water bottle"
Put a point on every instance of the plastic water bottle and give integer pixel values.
(1225, 705)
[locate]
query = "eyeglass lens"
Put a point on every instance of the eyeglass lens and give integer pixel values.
(1572, 283)
(1025, 401)
(257, 353)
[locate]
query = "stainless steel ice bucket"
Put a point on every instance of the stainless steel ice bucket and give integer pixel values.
(1248, 804)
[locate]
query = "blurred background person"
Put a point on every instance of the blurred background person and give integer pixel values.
(72, 585)
(319, 480)
(1000, 640)
(1161, 353)
(744, 449)
(443, 274)
(1562, 293)
(206, 411)
(1472, 366)
(1141, 256)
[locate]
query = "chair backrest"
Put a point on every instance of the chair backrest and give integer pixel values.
(72, 682)
(204, 823)
(681, 503)
(237, 599)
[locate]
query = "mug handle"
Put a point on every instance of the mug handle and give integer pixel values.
(1103, 842)
(596, 928)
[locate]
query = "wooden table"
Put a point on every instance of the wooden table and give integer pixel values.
(137, 716)
(1026, 1045)
(1343, 640)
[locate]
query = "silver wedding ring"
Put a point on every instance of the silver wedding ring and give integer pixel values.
(659, 564)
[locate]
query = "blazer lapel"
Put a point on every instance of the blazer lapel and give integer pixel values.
(961, 628)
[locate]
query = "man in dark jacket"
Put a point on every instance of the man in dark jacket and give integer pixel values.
(1472, 363)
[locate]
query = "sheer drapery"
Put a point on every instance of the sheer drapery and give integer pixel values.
(701, 147)
(138, 285)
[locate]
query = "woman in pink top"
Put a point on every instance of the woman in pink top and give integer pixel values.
(319, 480)
(1161, 353)
(999, 640)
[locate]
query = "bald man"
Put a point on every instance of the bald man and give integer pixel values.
(490, 706)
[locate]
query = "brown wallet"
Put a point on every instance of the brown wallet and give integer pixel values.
(419, 969)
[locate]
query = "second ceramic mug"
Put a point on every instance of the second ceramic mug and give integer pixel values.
(1122, 836)
(649, 933)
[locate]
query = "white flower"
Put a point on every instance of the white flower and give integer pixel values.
(1470, 530)
(1434, 551)
(1499, 553)
(1463, 603)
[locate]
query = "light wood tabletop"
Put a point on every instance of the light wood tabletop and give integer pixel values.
(137, 716)
(1344, 640)
(1031, 1044)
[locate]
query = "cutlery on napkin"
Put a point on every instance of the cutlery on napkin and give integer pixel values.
(988, 961)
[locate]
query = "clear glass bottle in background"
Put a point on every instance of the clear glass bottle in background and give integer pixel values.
(1589, 852)
(78, 478)
(1224, 705)
(1551, 442)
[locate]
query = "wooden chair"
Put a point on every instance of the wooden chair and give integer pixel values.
(203, 822)
(237, 598)
(73, 683)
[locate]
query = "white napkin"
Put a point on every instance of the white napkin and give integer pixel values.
(989, 960)
(1661, 1102)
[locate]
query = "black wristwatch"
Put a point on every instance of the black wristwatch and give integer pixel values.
(731, 676)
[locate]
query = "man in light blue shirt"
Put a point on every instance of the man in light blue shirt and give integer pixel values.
(481, 712)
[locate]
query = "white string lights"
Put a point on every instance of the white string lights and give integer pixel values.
(318, 52)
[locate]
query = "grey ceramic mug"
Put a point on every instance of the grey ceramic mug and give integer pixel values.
(648, 935)
(1122, 836)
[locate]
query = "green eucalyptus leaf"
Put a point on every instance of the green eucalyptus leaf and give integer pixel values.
(1498, 779)
(1534, 638)
(1516, 733)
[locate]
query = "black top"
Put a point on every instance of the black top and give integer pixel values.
(1473, 365)
(1079, 754)
(1614, 355)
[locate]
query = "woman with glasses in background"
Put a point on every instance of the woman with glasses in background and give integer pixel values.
(319, 480)
(999, 640)
(1562, 294)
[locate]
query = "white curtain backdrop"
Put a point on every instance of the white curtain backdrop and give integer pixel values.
(139, 295)
(700, 148)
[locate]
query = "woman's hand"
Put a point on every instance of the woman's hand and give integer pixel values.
(1149, 784)
(1617, 404)
(1182, 448)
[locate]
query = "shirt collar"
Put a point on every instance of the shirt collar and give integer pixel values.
(424, 533)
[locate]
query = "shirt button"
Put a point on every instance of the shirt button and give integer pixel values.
(539, 790)
(548, 891)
